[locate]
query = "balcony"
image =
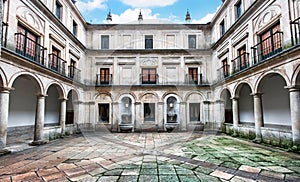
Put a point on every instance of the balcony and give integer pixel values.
(149, 79)
(57, 64)
(240, 63)
(74, 73)
(296, 31)
(270, 46)
(223, 72)
(30, 49)
(194, 79)
(103, 79)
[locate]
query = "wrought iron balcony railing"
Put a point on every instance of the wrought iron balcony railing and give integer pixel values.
(223, 72)
(240, 63)
(57, 64)
(296, 31)
(103, 79)
(268, 47)
(30, 49)
(194, 79)
(151, 79)
(74, 73)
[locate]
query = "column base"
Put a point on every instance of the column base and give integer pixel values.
(37, 143)
(257, 140)
(4, 152)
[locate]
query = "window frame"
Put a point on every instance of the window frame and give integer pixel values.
(75, 28)
(149, 78)
(104, 76)
(193, 75)
(222, 27)
(238, 9)
(149, 42)
(194, 45)
(104, 42)
(58, 10)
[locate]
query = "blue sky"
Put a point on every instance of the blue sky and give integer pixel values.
(126, 11)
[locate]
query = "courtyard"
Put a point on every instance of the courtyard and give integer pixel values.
(175, 156)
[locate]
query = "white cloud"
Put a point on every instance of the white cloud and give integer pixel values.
(149, 3)
(207, 18)
(91, 5)
(131, 15)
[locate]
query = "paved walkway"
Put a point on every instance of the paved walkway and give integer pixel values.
(104, 156)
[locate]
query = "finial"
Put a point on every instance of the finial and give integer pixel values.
(140, 16)
(188, 16)
(109, 17)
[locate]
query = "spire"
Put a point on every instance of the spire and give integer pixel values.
(108, 17)
(140, 16)
(188, 17)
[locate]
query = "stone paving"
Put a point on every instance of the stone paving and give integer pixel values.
(105, 156)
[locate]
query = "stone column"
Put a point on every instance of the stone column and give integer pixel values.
(160, 116)
(138, 116)
(39, 121)
(4, 103)
(236, 117)
(115, 121)
(62, 115)
(258, 116)
(295, 114)
(183, 119)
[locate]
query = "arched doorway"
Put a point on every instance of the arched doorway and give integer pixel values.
(226, 98)
(22, 109)
(275, 101)
(172, 114)
(246, 105)
(126, 113)
(52, 106)
(72, 108)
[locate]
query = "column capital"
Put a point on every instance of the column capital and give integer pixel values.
(234, 98)
(63, 98)
(138, 103)
(258, 94)
(6, 89)
(206, 102)
(219, 101)
(293, 88)
(41, 95)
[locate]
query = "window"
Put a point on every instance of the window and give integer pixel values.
(75, 26)
(104, 76)
(243, 57)
(149, 112)
(192, 41)
(104, 42)
(54, 62)
(148, 42)
(148, 76)
(103, 113)
(193, 75)
(194, 112)
(271, 41)
(238, 9)
(222, 28)
(58, 10)
(26, 43)
(225, 67)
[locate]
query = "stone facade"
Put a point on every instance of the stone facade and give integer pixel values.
(240, 72)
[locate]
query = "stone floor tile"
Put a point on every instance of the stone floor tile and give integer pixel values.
(148, 171)
(45, 172)
(5, 178)
(188, 178)
(128, 178)
(97, 172)
(168, 178)
(272, 175)
(148, 178)
(205, 177)
(114, 172)
(108, 179)
(279, 169)
(25, 177)
(131, 172)
(66, 166)
(241, 179)
(54, 176)
(222, 175)
(249, 169)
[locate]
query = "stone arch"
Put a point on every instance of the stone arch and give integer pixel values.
(103, 93)
(166, 94)
(38, 83)
(3, 78)
(295, 80)
(148, 93)
(226, 113)
(194, 92)
(275, 104)
(264, 75)
(59, 87)
(72, 107)
(130, 95)
(239, 86)
(222, 92)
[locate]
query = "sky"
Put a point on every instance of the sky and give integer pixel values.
(126, 11)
